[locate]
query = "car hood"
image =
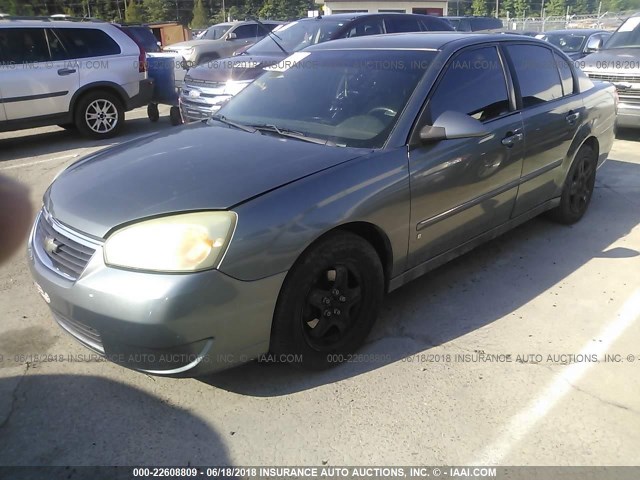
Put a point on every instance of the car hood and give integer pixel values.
(190, 43)
(242, 67)
(613, 60)
(191, 168)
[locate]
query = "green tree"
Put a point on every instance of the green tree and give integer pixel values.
(200, 15)
(156, 10)
(479, 7)
(133, 13)
(556, 7)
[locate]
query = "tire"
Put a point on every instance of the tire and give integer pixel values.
(341, 274)
(174, 116)
(152, 112)
(578, 188)
(89, 110)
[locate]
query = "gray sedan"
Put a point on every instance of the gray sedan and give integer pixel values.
(342, 173)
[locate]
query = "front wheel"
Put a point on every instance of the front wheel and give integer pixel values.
(329, 302)
(578, 188)
(99, 114)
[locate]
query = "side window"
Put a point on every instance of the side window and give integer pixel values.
(536, 73)
(465, 25)
(368, 26)
(565, 74)
(86, 42)
(58, 52)
(402, 24)
(473, 84)
(24, 45)
(245, 31)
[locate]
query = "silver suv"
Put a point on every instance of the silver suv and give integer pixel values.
(221, 41)
(79, 75)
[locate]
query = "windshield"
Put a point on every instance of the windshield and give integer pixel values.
(215, 32)
(351, 98)
(296, 36)
(627, 36)
(568, 42)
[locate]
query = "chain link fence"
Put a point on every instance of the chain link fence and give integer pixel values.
(606, 21)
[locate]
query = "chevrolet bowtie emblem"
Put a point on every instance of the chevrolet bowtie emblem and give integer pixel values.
(50, 245)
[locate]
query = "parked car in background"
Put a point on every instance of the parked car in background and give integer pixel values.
(208, 86)
(221, 40)
(576, 43)
(618, 62)
(342, 173)
(474, 24)
(82, 75)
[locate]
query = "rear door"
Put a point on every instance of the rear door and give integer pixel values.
(461, 188)
(36, 79)
(99, 58)
(551, 113)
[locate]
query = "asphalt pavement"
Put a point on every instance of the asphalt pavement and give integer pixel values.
(523, 352)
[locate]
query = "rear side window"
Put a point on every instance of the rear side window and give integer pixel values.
(245, 31)
(85, 42)
(368, 26)
(565, 74)
(23, 45)
(473, 84)
(402, 24)
(536, 73)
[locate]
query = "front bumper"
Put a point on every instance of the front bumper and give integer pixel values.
(628, 115)
(162, 324)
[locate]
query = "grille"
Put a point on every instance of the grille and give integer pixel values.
(629, 96)
(615, 78)
(87, 335)
(203, 83)
(67, 256)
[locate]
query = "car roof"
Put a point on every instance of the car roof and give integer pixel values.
(418, 41)
(456, 17)
(575, 30)
(49, 22)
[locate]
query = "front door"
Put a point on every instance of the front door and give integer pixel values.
(461, 188)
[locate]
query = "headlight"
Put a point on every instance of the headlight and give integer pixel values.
(180, 243)
(233, 87)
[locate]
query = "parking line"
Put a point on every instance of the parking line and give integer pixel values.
(522, 423)
(11, 167)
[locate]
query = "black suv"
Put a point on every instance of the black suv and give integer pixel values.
(474, 24)
(211, 84)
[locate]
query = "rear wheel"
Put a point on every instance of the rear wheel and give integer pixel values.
(578, 188)
(328, 303)
(99, 114)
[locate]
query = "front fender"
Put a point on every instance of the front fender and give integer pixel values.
(275, 228)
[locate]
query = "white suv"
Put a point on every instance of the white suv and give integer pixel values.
(82, 75)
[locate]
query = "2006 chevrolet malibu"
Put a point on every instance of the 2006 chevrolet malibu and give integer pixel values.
(340, 174)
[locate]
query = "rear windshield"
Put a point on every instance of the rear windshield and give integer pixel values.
(144, 36)
(295, 36)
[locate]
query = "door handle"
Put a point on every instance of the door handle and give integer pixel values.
(66, 71)
(511, 138)
(572, 117)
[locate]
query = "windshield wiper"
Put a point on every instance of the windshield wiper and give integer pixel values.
(283, 132)
(270, 33)
(239, 126)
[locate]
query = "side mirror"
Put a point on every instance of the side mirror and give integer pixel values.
(231, 36)
(450, 125)
(594, 44)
